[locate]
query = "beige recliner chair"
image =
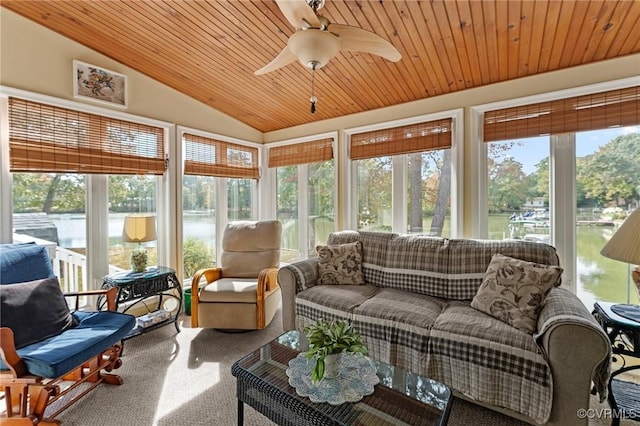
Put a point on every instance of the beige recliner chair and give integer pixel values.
(242, 294)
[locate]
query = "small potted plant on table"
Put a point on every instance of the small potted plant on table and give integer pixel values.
(327, 341)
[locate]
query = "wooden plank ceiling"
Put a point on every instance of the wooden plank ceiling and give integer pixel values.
(209, 50)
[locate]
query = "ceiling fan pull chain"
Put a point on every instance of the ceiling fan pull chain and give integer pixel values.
(313, 98)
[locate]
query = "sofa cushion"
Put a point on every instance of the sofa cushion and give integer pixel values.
(248, 247)
(514, 290)
(374, 252)
(469, 259)
(340, 264)
(330, 302)
(96, 332)
(418, 264)
(489, 361)
(24, 262)
(34, 310)
(396, 324)
(230, 290)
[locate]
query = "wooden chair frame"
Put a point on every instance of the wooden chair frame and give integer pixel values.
(27, 397)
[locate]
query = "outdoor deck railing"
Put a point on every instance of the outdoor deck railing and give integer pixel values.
(69, 266)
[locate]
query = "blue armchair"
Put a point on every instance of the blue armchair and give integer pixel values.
(43, 343)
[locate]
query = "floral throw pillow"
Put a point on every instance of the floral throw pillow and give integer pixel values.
(340, 264)
(514, 291)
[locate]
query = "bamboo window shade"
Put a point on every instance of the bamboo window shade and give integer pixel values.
(596, 111)
(301, 153)
(50, 139)
(419, 137)
(211, 157)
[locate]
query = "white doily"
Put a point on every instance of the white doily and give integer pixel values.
(356, 379)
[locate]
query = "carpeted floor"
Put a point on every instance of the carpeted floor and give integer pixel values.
(185, 379)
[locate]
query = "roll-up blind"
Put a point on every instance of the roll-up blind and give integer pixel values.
(406, 139)
(578, 114)
(45, 138)
(211, 157)
(301, 153)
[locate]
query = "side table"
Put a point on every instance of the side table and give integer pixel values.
(136, 288)
(624, 334)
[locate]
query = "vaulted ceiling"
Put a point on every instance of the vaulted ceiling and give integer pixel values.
(209, 50)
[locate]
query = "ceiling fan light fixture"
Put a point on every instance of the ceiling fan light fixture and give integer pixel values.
(314, 47)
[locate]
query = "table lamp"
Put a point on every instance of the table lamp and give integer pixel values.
(624, 246)
(139, 229)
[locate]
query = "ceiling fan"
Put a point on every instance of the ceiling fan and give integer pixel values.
(317, 40)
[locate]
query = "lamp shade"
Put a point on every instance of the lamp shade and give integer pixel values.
(139, 229)
(625, 243)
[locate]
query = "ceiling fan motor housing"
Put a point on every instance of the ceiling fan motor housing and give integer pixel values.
(314, 47)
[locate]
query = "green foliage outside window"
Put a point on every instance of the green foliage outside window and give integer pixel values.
(196, 256)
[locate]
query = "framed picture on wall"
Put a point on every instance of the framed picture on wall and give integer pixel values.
(99, 85)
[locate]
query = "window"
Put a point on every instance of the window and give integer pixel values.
(305, 196)
(403, 176)
(130, 195)
(518, 189)
(73, 171)
(219, 185)
(565, 171)
(51, 207)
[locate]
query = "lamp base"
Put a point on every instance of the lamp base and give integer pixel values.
(139, 259)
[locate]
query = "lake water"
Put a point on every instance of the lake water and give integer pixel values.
(598, 278)
(72, 233)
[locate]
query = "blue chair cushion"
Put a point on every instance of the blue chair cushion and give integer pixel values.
(24, 262)
(34, 310)
(58, 355)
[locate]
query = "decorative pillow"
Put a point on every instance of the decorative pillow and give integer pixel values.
(34, 310)
(24, 262)
(340, 264)
(514, 290)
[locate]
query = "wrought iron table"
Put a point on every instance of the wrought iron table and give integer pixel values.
(624, 335)
(136, 288)
(401, 397)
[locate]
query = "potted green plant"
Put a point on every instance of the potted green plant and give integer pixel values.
(327, 340)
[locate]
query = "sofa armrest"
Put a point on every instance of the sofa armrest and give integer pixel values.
(294, 278)
(578, 352)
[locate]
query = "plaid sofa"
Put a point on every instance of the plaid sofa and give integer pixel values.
(414, 311)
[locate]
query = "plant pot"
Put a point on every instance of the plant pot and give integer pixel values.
(332, 364)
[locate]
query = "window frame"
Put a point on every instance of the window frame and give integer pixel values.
(303, 181)
(96, 194)
(399, 172)
(221, 190)
(562, 169)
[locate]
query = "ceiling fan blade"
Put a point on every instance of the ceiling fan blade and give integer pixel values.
(298, 12)
(357, 39)
(284, 58)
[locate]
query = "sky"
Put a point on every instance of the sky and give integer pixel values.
(530, 153)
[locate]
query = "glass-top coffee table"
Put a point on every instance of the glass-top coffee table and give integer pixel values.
(401, 397)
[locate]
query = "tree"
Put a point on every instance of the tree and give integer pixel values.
(538, 181)
(48, 192)
(444, 194)
(613, 172)
(414, 165)
(374, 194)
(507, 185)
